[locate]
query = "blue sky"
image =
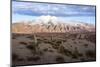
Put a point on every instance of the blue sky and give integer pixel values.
(22, 11)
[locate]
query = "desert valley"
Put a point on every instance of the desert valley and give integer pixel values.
(47, 40)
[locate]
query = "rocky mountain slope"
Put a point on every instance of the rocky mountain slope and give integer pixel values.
(51, 24)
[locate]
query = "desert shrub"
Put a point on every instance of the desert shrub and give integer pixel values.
(46, 49)
(47, 41)
(83, 59)
(70, 45)
(39, 40)
(86, 45)
(23, 43)
(31, 47)
(13, 37)
(30, 37)
(75, 42)
(90, 53)
(91, 38)
(50, 50)
(80, 54)
(64, 51)
(64, 40)
(73, 39)
(55, 46)
(44, 39)
(34, 58)
(60, 59)
(40, 52)
(20, 59)
(14, 56)
(76, 54)
(58, 42)
(53, 40)
(50, 42)
(34, 48)
(34, 45)
(31, 43)
(51, 37)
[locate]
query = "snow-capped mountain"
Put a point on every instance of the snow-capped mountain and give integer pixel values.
(51, 24)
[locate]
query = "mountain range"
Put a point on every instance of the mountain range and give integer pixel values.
(51, 24)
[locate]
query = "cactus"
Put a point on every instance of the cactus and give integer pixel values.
(51, 37)
(35, 38)
(35, 42)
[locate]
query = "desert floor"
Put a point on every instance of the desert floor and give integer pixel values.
(45, 48)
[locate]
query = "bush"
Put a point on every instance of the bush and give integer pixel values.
(20, 59)
(60, 59)
(31, 47)
(91, 54)
(35, 58)
(50, 50)
(13, 37)
(23, 43)
(14, 56)
(31, 37)
(46, 49)
(76, 54)
(86, 45)
(64, 51)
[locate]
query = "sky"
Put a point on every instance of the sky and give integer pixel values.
(27, 11)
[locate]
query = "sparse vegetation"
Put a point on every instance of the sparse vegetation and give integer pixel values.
(57, 44)
(60, 59)
(86, 45)
(20, 59)
(34, 48)
(90, 54)
(31, 47)
(23, 43)
(50, 50)
(76, 54)
(13, 37)
(64, 51)
(70, 45)
(30, 37)
(34, 58)
(91, 38)
(46, 49)
(14, 57)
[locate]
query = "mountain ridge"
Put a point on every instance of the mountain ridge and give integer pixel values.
(51, 24)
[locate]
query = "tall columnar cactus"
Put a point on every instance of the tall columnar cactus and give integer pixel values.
(51, 37)
(35, 38)
(35, 45)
